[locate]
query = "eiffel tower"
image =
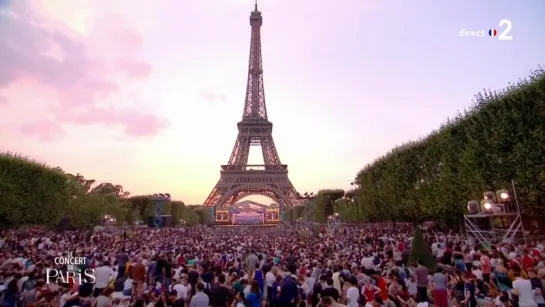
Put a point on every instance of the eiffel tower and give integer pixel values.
(237, 178)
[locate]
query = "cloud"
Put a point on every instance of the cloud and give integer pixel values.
(3, 100)
(135, 122)
(44, 130)
(133, 68)
(83, 72)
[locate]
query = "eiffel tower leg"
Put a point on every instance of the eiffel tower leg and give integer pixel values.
(214, 196)
(270, 154)
(241, 151)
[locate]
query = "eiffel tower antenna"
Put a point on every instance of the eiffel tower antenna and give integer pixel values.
(237, 178)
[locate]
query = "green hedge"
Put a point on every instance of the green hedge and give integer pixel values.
(30, 192)
(502, 137)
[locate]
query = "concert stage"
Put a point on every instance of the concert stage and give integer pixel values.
(248, 213)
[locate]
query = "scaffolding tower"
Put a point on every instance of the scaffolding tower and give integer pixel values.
(500, 222)
(486, 228)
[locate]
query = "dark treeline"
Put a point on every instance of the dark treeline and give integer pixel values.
(33, 193)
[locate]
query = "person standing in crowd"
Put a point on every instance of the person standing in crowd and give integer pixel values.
(352, 293)
(422, 282)
(182, 288)
(291, 262)
(103, 274)
(221, 295)
(486, 266)
(199, 299)
(255, 296)
(289, 292)
(524, 291)
(138, 273)
(330, 291)
(440, 286)
(252, 262)
(537, 286)
(470, 298)
(270, 278)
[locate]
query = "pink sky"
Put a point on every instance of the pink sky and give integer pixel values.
(147, 94)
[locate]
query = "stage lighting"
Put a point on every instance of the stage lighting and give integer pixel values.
(503, 195)
(490, 207)
(473, 207)
(489, 195)
(487, 205)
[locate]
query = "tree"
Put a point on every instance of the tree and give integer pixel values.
(89, 203)
(421, 251)
(177, 210)
(325, 198)
(191, 218)
(142, 205)
(30, 192)
(498, 139)
(33, 193)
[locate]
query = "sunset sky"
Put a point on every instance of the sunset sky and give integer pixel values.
(147, 94)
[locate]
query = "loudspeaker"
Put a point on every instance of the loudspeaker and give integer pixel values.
(166, 221)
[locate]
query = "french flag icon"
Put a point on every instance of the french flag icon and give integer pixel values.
(492, 32)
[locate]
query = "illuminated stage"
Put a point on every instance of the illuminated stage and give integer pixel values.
(248, 213)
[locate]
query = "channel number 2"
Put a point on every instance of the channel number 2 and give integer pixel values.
(504, 35)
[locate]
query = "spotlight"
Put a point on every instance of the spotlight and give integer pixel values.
(473, 207)
(503, 196)
(489, 195)
(487, 205)
(490, 207)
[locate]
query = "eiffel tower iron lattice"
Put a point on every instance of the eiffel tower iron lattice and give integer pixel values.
(237, 178)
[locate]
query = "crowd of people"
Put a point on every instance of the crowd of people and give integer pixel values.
(283, 266)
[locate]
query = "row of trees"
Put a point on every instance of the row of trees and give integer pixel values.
(33, 193)
(500, 139)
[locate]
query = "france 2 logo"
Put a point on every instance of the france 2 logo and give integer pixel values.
(504, 35)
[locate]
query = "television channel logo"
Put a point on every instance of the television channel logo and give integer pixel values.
(502, 32)
(73, 273)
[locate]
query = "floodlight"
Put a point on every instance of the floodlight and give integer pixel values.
(487, 205)
(473, 207)
(489, 195)
(503, 195)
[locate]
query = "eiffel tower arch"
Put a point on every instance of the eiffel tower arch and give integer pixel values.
(238, 179)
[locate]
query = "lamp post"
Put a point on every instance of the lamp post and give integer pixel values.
(159, 200)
